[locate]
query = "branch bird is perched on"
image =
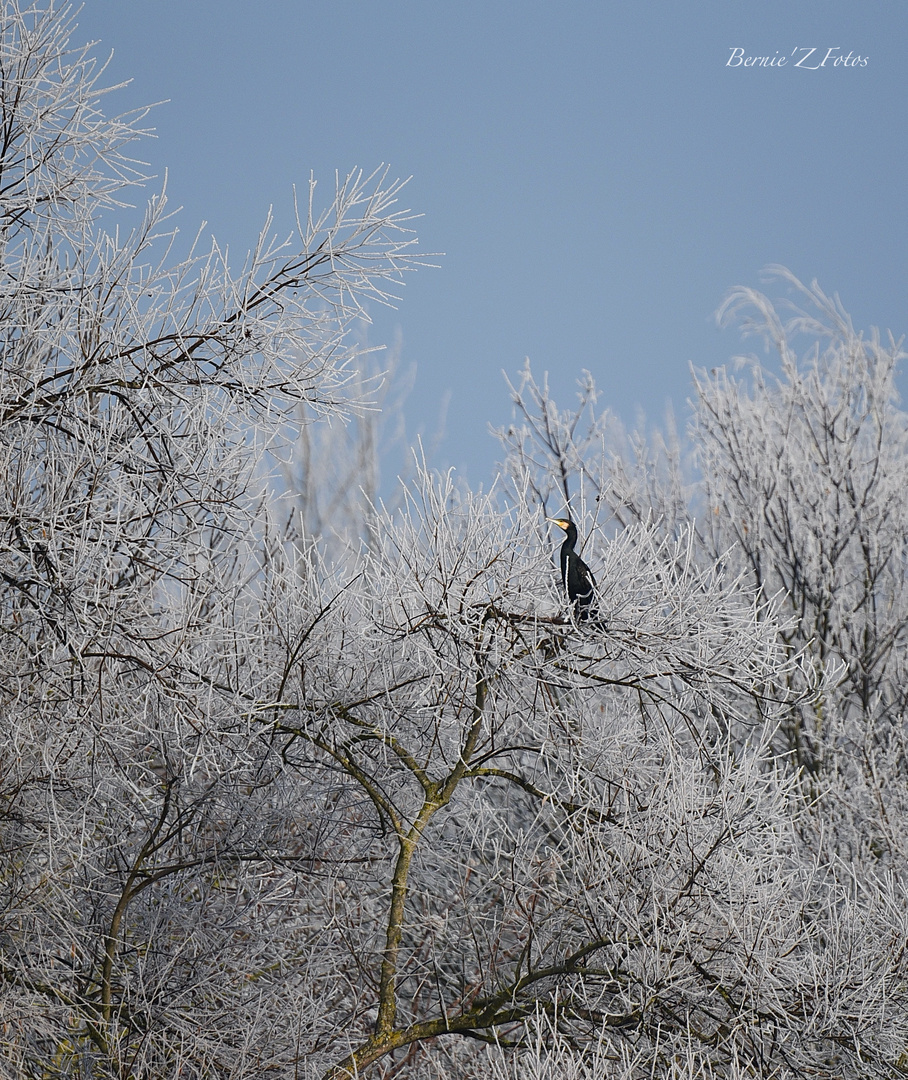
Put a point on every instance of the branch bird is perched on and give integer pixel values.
(576, 576)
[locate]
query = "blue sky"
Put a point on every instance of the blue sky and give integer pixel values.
(596, 174)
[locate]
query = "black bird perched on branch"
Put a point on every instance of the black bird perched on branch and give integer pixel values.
(576, 576)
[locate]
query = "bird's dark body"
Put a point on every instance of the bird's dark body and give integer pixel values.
(576, 576)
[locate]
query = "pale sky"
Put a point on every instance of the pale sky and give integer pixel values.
(595, 172)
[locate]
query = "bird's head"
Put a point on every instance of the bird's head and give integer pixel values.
(562, 523)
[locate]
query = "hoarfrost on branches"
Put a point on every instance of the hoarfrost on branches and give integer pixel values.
(279, 802)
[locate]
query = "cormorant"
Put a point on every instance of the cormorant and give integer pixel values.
(576, 576)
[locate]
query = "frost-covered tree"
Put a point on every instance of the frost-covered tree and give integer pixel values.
(394, 813)
(793, 479)
(138, 395)
(804, 476)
